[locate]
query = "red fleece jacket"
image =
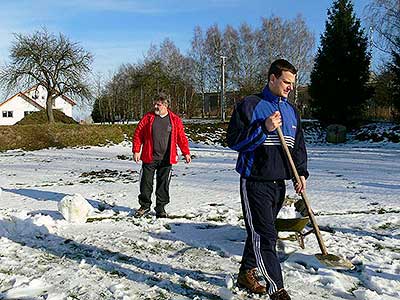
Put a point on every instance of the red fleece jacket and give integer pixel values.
(143, 136)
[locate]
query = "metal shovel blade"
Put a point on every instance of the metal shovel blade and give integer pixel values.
(329, 260)
(335, 262)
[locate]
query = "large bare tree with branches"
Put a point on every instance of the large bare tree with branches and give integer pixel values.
(199, 62)
(384, 19)
(53, 61)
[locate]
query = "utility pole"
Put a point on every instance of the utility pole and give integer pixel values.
(223, 58)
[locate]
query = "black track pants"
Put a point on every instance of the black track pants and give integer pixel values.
(163, 178)
(261, 202)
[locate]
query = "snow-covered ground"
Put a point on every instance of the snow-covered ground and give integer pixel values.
(354, 190)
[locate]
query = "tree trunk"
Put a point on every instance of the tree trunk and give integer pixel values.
(141, 102)
(49, 109)
(185, 100)
(203, 104)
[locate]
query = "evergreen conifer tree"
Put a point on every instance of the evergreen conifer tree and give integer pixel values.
(96, 115)
(339, 80)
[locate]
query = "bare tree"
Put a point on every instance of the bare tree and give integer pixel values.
(213, 50)
(171, 57)
(384, 19)
(300, 46)
(199, 58)
(230, 44)
(213, 47)
(289, 39)
(174, 63)
(244, 63)
(52, 61)
(272, 41)
(251, 51)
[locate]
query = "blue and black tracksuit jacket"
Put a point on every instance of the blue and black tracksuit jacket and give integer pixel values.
(261, 156)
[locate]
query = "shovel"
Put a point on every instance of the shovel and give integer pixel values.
(330, 260)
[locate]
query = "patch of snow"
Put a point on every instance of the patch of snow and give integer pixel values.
(75, 208)
(353, 189)
(26, 290)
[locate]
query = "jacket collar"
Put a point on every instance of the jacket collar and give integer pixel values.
(269, 96)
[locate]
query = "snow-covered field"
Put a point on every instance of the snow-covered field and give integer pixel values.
(354, 190)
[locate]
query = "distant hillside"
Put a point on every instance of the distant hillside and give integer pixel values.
(40, 117)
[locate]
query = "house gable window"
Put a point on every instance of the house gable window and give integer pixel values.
(7, 113)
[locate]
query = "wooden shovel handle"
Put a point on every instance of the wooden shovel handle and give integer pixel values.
(303, 194)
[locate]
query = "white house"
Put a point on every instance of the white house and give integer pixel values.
(21, 104)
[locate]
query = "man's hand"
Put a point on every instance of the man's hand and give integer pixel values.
(136, 157)
(188, 159)
(300, 187)
(273, 121)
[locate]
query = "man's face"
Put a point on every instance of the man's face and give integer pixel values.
(160, 108)
(282, 85)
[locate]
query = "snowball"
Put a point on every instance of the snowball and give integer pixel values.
(289, 212)
(75, 208)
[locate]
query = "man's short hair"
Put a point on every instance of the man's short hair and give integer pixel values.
(280, 65)
(163, 97)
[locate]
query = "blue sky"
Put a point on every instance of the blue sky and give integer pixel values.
(121, 31)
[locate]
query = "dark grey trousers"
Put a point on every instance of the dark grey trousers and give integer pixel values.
(163, 178)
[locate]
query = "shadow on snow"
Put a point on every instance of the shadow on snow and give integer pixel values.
(54, 196)
(110, 261)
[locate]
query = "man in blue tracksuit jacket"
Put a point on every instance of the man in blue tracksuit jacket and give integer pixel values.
(263, 169)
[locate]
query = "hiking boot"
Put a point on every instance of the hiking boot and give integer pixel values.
(142, 211)
(248, 280)
(161, 214)
(280, 295)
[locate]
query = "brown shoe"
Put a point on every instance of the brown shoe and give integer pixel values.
(280, 295)
(142, 211)
(248, 280)
(161, 214)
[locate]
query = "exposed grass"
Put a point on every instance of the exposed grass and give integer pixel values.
(35, 137)
(58, 135)
(209, 133)
(40, 117)
(379, 132)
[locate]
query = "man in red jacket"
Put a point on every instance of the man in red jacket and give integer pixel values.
(158, 133)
